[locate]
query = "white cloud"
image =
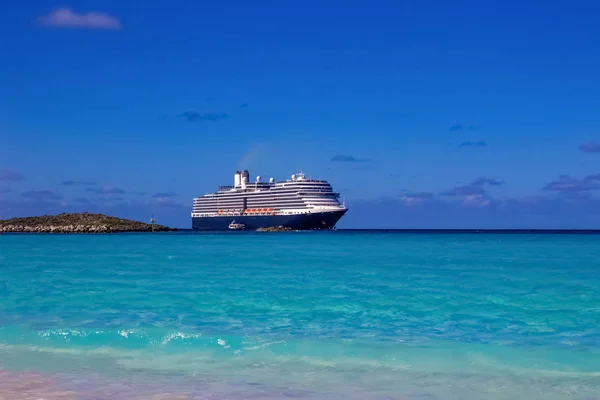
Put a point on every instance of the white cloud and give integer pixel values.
(66, 18)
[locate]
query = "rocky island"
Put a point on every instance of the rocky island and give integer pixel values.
(275, 229)
(78, 223)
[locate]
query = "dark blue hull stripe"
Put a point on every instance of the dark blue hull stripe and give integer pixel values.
(324, 220)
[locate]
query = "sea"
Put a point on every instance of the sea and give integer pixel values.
(300, 315)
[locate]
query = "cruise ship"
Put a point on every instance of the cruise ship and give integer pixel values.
(298, 203)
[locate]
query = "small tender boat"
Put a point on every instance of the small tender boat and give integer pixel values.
(235, 226)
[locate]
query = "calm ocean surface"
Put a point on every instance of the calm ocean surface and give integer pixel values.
(333, 315)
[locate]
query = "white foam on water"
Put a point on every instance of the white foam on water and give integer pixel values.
(253, 373)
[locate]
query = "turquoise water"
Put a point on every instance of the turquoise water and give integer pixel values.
(311, 315)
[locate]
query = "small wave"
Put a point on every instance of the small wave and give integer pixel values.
(118, 338)
(263, 346)
(180, 336)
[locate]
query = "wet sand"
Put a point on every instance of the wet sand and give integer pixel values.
(35, 386)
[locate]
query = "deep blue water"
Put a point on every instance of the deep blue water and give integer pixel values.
(312, 315)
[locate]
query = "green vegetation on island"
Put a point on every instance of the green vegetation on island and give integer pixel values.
(78, 223)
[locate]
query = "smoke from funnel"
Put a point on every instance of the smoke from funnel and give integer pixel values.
(249, 158)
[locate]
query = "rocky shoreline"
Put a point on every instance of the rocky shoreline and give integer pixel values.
(77, 223)
(275, 229)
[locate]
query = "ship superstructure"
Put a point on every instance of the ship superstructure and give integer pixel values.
(297, 203)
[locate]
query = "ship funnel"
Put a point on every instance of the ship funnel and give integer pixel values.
(237, 179)
(272, 180)
(246, 175)
(258, 179)
(244, 181)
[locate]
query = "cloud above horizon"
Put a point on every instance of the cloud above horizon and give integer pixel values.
(464, 205)
(418, 198)
(77, 183)
(164, 195)
(9, 175)
(571, 206)
(487, 181)
(461, 127)
(348, 159)
(193, 116)
(473, 194)
(67, 18)
(41, 195)
(590, 147)
(541, 212)
(106, 189)
(475, 188)
(566, 184)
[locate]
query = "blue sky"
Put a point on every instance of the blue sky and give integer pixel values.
(421, 113)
